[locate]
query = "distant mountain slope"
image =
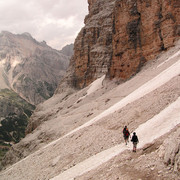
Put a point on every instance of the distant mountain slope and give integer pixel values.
(14, 116)
(30, 68)
(68, 50)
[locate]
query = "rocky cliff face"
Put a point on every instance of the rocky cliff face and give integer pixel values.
(91, 2)
(142, 29)
(120, 36)
(30, 68)
(93, 46)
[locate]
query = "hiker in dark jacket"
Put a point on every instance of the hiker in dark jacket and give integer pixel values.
(126, 134)
(134, 141)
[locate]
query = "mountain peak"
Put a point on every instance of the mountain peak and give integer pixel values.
(29, 63)
(10, 35)
(26, 34)
(5, 32)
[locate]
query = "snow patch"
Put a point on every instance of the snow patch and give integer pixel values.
(15, 63)
(97, 84)
(159, 124)
(173, 56)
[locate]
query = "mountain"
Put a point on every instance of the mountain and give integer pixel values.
(68, 50)
(119, 75)
(14, 116)
(120, 36)
(30, 68)
(80, 136)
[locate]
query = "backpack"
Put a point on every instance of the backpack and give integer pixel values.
(126, 132)
(134, 138)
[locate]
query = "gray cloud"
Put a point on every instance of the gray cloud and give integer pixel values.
(55, 21)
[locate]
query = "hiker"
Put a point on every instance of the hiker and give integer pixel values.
(126, 134)
(134, 141)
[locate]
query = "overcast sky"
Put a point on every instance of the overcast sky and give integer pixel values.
(55, 21)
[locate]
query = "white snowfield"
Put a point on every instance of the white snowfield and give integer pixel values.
(97, 84)
(159, 125)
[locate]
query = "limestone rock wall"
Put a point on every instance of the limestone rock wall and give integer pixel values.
(93, 46)
(121, 35)
(141, 30)
(91, 2)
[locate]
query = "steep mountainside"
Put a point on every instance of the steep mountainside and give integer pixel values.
(142, 29)
(30, 68)
(120, 36)
(87, 125)
(77, 133)
(14, 116)
(68, 50)
(93, 46)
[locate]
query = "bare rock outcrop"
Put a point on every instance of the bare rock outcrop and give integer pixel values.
(120, 36)
(91, 2)
(170, 151)
(93, 45)
(142, 29)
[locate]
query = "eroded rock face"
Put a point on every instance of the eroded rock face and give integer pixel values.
(120, 36)
(170, 151)
(91, 2)
(93, 46)
(142, 29)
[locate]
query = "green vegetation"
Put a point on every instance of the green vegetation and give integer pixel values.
(49, 88)
(10, 97)
(3, 149)
(21, 78)
(14, 116)
(13, 127)
(40, 90)
(44, 89)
